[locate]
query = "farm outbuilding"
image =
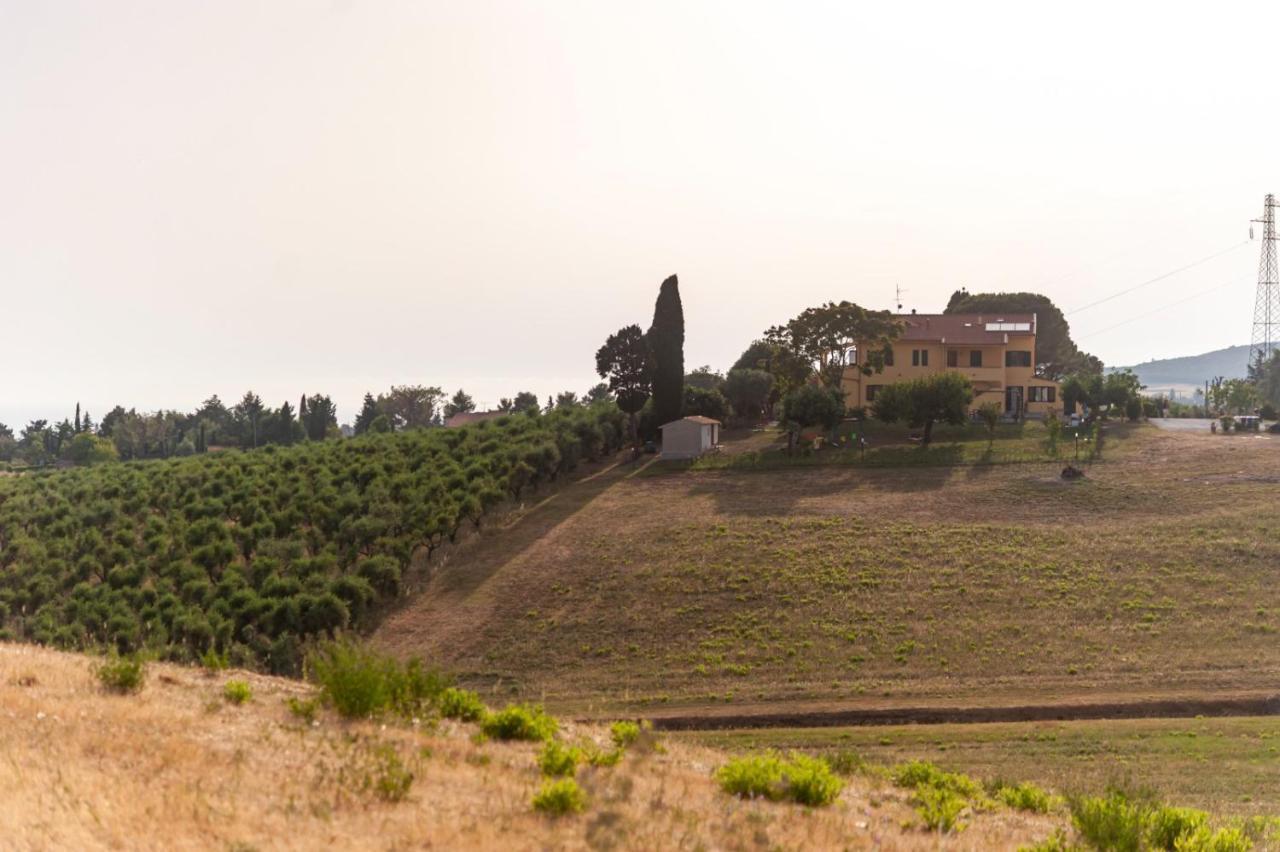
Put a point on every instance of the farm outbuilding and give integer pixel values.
(690, 437)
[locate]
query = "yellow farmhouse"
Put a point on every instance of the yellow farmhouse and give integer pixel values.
(996, 352)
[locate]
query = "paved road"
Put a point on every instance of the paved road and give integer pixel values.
(1182, 424)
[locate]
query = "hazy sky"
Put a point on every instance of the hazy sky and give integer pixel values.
(202, 198)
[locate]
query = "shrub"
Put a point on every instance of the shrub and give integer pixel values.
(624, 734)
(556, 759)
(213, 661)
(920, 773)
(360, 683)
(939, 808)
(1056, 842)
(1024, 797)
(237, 691)
(811, 782)
(1110, 822)
(801, 778)
(461, 704)
(1203, 839)
(520, 722)
(121, 674)
(752, 776)
(846, 762)
(1166, 825)
(558, 798)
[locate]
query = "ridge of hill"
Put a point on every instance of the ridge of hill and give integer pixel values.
(1193, 370)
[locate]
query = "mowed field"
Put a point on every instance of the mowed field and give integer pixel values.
(841, 586)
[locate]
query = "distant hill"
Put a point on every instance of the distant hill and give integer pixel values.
(1194, 370)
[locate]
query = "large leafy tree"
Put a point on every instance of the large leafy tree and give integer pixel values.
(411, 406)
(940, 397)
(626, 362)
(811, 405)
(248, 413)
(748, 391)
(823, 337)
(1056, 353)
(666, 341)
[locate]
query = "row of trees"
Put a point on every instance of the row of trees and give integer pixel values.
(253, 555)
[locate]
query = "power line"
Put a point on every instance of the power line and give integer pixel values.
(1191, 265)
(1213, 289)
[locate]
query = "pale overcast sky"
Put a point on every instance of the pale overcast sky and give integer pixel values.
(202, 198)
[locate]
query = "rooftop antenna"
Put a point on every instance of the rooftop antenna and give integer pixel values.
(898, 291)
(1266, 308)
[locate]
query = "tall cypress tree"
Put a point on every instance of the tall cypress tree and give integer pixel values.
(666, 341)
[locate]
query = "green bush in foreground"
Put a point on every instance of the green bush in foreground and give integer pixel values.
(121, 674)
(624, 733)
(461, 704)
(939, 808)
(800, 778)
(558, 798)
(519, 722)
(360, 683)
(1117, 822)
(237, 691)
(921, 773)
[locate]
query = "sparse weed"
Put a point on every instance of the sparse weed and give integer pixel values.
(304, 708)
(1056, 842)
(390, 779)
(237, 691)
(520, 722)
(921, 773)
(560, 797)
(121, 674)
(213, 661)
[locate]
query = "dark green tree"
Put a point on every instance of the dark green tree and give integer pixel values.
(705, 402)
(1056, 353)
(321, 416)
(368, 412)
(748, 390)
(922, 402)
(460, 403)
(666, 342)
(823, 336)
(524, 401)
(626, 361)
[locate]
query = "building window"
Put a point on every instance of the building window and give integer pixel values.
(975, 357)
(871, 392)
(1042, 394)
(1017, 358)
(888, 356)
(953, 358)
(1008, 326)
(919, 357)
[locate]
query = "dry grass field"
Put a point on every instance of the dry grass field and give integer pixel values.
(176, 766)
(735, 591)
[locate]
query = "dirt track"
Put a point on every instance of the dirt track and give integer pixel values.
(1168, 708)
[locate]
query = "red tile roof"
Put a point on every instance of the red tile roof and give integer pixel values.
(466, 417)
(961, 329)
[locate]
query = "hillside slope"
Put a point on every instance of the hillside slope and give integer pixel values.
(826, 587)
(1194, 370)
(177, 767)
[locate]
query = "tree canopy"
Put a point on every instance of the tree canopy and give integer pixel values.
(1056, 353)
(943, 397)
(824, 335)
(626, 362)
(666, 341)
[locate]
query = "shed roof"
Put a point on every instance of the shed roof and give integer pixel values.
(695, 418)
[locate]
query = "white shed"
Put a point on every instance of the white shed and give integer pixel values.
(690, 437)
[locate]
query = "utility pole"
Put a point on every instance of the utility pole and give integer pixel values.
(1266, 308)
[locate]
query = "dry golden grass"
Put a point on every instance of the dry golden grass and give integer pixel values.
(177, 767)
